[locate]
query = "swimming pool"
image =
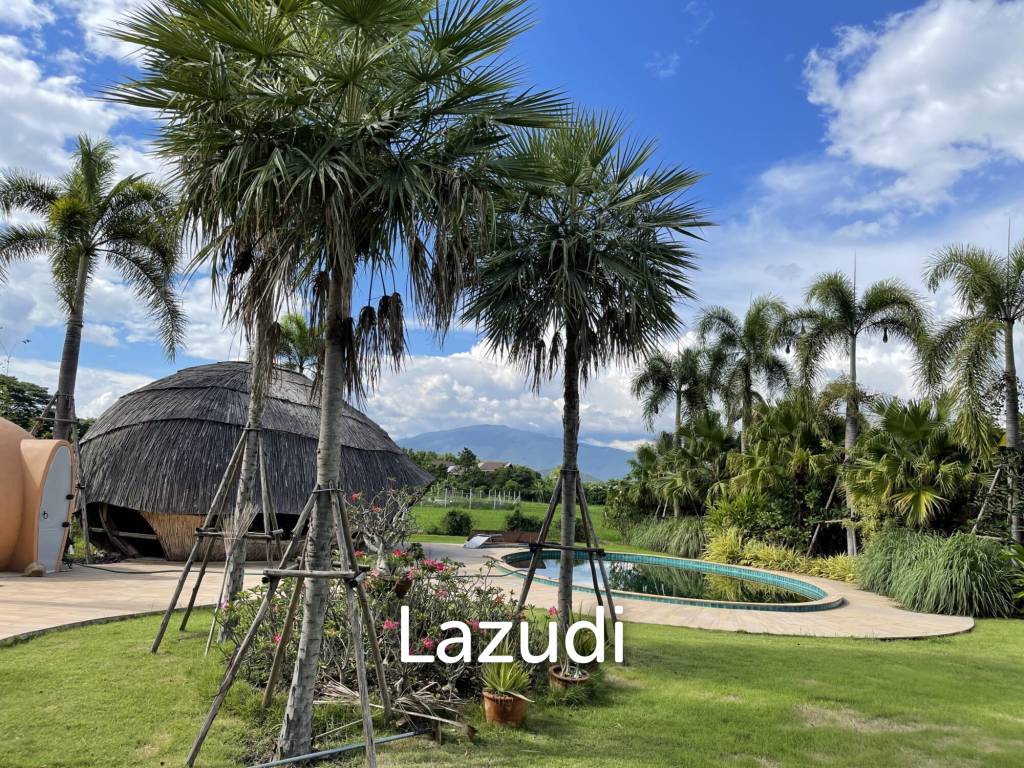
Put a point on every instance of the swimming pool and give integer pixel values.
(664, 579)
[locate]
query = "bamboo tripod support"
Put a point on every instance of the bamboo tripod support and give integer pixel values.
(594, 551)
(212, 529)
(358, 611)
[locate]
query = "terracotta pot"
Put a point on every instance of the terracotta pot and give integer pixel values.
(558, 680)
(503, 709)
(402, 586)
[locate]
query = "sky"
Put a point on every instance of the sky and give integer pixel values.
(828, 132)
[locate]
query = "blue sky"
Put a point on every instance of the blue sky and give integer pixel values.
(826, 129)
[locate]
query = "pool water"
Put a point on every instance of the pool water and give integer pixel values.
(667, 581)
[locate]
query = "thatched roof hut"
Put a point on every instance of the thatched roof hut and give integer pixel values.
(153, 460)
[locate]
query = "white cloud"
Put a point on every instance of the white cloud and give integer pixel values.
(663, 65)
(26, 14)
(96, 389)
(927, 96)
(96, 16)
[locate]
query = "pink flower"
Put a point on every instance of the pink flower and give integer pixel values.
(398, 553)
(356, 496)
(428, 643)
(277, 639)
(474, 624)
(552, 611)
(442, 594)
(389, 624)
(375, 508)
(359, 553)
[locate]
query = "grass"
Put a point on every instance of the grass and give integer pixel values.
(428, 518)
(95, 696)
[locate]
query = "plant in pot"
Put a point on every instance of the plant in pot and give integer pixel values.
(567, 674)
(504, 685)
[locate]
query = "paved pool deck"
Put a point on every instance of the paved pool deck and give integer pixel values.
(84, 595)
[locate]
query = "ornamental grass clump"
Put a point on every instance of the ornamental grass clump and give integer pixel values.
(680, 537)
(885, 555)
(725, 547)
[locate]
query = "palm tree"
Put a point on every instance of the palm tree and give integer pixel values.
(324, 137)
(87, 217)
(589, 262)
(746, 354)
(990, 290)
(680, 379)
(300, 345)
(836, 318)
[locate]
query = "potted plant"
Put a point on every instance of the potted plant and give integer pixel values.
(567, 674)
(504, 684)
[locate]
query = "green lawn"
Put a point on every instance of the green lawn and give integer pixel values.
(95, 696)
(494, 519)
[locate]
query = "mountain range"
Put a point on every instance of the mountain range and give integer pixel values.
(519, 446)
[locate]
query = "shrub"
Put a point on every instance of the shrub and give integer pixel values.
(962, 575)
(457, 522)
(767, 518)
(517, 521)
(678, 536)
(773, 557)
(725, 547)
(837, 567)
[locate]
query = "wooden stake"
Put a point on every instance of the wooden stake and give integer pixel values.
(536, 559)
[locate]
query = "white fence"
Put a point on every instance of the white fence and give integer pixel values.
(444, 496)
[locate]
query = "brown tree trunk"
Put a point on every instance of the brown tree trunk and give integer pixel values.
(64, 406)
(852, 431)
(677, 440)
(296, 731)
(570, 447)
(1012, 428)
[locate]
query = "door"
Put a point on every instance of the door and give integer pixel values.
(53, 510)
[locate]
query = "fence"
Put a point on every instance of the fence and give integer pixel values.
(441, 495)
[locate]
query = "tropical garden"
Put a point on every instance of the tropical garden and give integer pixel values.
(318, 147)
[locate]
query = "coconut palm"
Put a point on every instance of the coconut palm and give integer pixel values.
(680, 379)
(990, 290)
(84, 219)
(300, 345)
(747, 356)
(590, 260)
(836, 318)
(313, 139)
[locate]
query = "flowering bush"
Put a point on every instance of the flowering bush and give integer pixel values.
(438, 593)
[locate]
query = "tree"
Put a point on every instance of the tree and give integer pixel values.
(21, 401)
(591, 257)
(680, 379)
(990, 290)
(836, 318)
(89, 216)
(311, 140)
(300, 346)
(746, 355)
(467, 459)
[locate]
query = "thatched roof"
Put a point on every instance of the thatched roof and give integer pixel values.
(164, 447)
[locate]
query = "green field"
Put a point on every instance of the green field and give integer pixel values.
(428, 518)
(95, 696)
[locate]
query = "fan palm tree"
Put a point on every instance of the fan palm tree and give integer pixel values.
(300, 344)
(746, 353)
(313, 139)
(88, 217)
(990, 290)
(589, 262)
(836, 318)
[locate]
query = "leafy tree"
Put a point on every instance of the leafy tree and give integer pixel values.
(90, 216)
(21, 401)
(836, 318)
(299, 345)
(680, 379)
(746, 355)
(990, 290)
(313, 139)
(467, 459)
(591, 257)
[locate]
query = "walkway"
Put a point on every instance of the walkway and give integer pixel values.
(83, 595)
(863, 614)
(88, 594)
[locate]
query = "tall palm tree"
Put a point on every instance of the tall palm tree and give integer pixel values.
(990, 290)
(747, 356)
(680, 379)
(85, 218)
(300, 344)
(324, 137)
(836, 318)
(591, 257)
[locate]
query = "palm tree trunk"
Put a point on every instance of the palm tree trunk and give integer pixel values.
(1012, 427)
(296, 731)
(235, 546)
(64, 409)
(570, 447)
(852, 430)
(745, 420)
(677, 440)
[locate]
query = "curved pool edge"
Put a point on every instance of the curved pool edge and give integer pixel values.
(820, 599)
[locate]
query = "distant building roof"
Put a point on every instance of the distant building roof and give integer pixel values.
(493, 466)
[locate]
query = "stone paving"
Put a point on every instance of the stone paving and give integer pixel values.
(83, 595)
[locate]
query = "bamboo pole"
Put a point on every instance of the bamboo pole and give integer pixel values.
(286, 634)
(536, 558)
